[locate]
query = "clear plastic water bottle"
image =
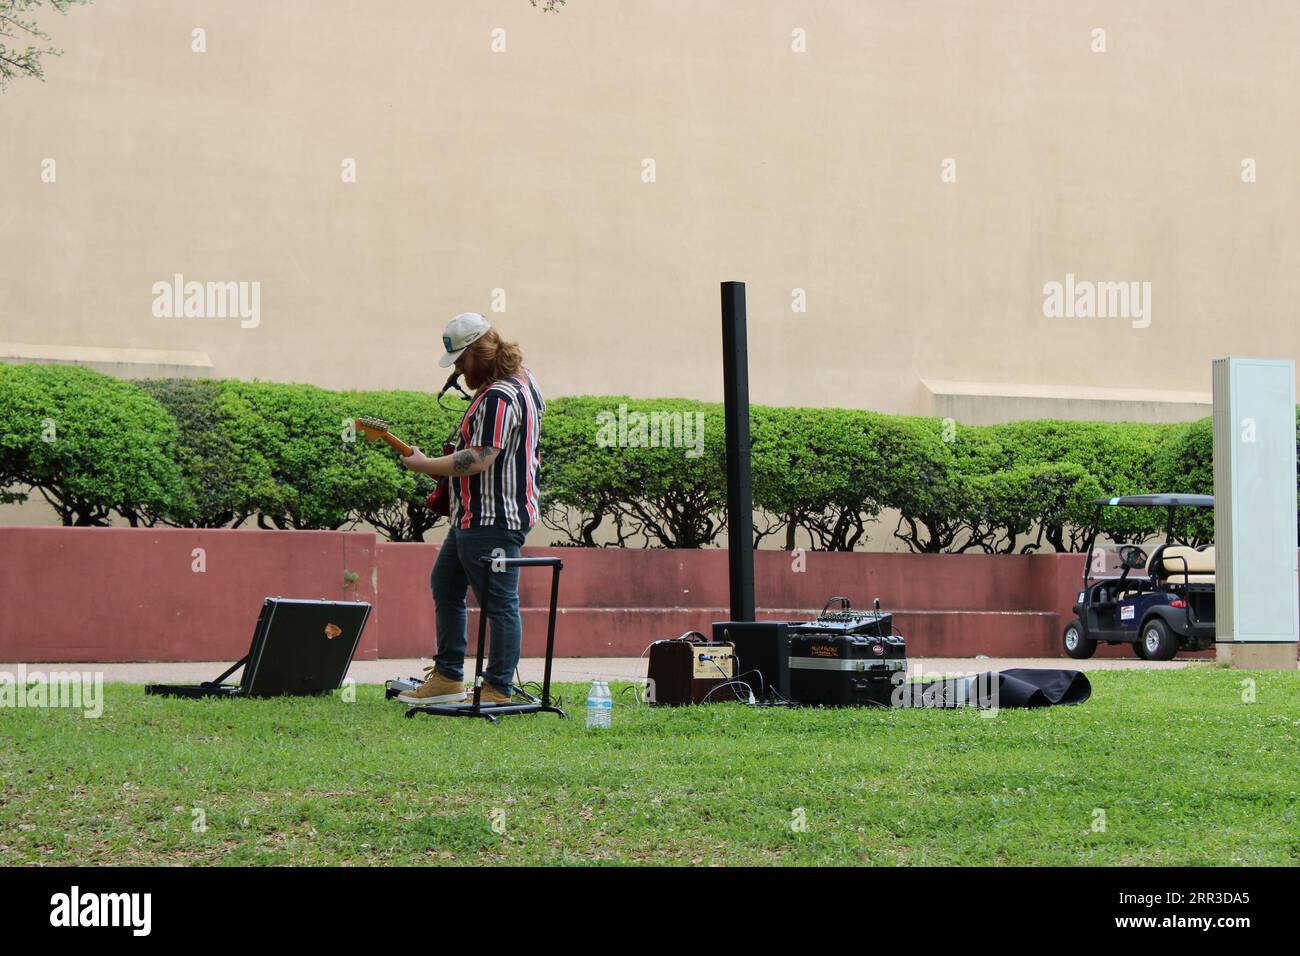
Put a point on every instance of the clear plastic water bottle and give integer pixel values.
(606, 705)
(594, 709)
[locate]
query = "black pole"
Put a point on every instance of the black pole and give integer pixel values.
(740, 510)
(550, 633)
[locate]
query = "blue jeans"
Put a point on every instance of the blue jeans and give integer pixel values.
(458, 568)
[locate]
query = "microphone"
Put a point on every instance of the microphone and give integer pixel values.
(451, 383)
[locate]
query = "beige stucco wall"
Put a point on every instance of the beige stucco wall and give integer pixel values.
(522, 171)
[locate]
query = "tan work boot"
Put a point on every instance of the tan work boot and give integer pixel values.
(490, 695)
(436, 689)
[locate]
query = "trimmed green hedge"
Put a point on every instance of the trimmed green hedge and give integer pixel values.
(87, 443)
(204, 453)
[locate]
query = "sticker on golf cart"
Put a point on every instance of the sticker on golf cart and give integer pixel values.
(1126, 612)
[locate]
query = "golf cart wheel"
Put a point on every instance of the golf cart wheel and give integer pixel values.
(1157, 643)
(1076, 645)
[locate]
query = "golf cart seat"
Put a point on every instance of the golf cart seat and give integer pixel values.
(1182, 565)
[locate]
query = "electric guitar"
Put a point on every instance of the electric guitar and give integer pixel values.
(376, 428)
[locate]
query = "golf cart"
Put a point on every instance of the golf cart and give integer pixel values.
(1158, 598)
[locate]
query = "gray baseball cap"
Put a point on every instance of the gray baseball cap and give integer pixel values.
(460, 333)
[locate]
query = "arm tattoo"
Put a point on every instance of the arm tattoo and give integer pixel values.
(468, 458)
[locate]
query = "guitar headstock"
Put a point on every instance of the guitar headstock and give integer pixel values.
(373, 428)
(376, 428)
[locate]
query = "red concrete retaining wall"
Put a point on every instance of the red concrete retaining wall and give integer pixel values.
(121, 594)
(76, 594)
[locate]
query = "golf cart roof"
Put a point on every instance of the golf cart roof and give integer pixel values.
(1160, 501)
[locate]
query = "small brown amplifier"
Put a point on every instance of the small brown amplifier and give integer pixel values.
(687, 669)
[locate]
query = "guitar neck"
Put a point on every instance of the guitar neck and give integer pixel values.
(399, 446)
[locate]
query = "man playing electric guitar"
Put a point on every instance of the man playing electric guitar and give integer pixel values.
(493, 491)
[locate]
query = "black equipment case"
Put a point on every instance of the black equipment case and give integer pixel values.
(846, 659)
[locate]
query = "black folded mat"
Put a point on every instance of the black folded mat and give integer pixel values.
(1016, 687)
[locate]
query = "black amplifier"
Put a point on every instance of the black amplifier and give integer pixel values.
(846, 659)
(762, 654)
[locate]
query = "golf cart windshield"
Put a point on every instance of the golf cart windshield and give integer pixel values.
(1108, 559)
(1182, 513)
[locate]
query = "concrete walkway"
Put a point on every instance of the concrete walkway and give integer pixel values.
(565, 669)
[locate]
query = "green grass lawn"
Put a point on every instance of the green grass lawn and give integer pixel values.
(1183, 770)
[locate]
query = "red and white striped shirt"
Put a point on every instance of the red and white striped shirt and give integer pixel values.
(505, 415)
